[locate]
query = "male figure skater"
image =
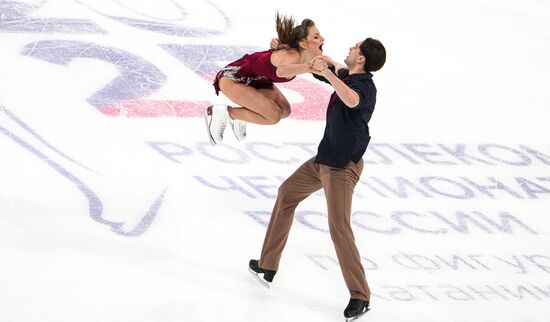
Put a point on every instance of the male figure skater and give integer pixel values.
(336, 168)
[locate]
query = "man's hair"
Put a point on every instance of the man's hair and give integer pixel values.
(289, 34)
(374, 53)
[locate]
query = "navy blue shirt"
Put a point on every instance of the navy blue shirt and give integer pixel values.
(347, 132)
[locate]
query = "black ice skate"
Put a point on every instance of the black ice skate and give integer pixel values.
(256, 270)
(355, 309)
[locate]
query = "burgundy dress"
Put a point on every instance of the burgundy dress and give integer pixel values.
(254, 69)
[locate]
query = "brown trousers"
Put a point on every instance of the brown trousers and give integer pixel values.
(338, 185)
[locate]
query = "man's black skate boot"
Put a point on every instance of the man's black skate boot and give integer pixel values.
(355, 309)
(255, 270)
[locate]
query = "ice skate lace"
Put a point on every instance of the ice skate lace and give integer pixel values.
(221, 127)
(239, 128)
(242, 128)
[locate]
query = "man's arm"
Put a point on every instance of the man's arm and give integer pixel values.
(332, 62)
(349, 96)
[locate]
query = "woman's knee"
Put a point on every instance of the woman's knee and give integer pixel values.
(278, 112)
(285, 109)
(273, 115)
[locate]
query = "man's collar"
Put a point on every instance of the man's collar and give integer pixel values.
(364, 75)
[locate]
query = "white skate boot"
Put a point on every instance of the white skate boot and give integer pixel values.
(239, 129)
(216, 118)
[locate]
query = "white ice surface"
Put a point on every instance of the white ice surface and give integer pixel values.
(475, 73)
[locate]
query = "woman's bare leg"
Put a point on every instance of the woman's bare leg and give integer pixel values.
(275, 95)
(260, 106)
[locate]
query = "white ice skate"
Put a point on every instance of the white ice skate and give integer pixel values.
(239, 129)
(216, 118)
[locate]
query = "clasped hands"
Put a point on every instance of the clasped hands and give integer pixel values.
(318, 65)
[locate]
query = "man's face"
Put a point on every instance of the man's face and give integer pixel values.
(353, 56)
(314, 42)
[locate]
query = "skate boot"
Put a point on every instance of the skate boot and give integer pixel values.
(355, 309)
(239, 129)
(216, 118)
(255, 270)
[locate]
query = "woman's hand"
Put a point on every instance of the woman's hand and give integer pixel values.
(317, 64)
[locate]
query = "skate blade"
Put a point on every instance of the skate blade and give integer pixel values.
(357, 316)
(258, 278)
(208, 127)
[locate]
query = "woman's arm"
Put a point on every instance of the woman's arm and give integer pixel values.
(288, 64)
(292, 70)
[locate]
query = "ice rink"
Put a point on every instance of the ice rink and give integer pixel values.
(115, 207)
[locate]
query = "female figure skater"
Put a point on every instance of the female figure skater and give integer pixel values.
(248, 81)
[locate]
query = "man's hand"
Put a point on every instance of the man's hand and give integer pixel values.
(317, 65)
(274, 44)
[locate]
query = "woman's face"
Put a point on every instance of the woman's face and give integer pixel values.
(314, 42)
